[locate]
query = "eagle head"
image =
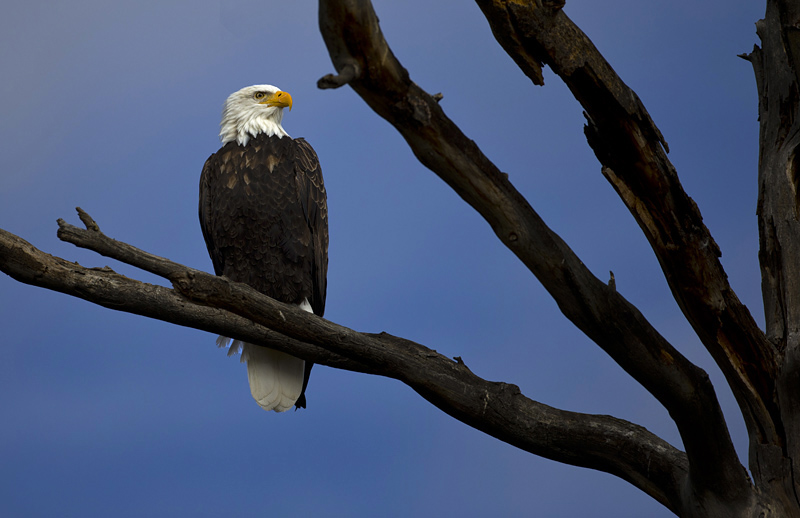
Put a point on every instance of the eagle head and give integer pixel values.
(251, 111)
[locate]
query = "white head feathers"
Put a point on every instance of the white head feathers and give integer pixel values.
(253, 110)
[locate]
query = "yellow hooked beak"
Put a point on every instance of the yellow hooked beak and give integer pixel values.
(279, 99)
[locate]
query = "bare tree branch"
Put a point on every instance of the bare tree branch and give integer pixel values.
(629, 145)
(102, 286)
(217, 305)
(351, 32)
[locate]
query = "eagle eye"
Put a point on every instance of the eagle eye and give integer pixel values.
(259, 95)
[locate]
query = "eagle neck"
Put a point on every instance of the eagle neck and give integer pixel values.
(244, 128)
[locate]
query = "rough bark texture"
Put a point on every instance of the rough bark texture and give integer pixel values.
(761, 367)
(777, 69)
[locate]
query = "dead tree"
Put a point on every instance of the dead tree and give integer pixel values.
(762, 367)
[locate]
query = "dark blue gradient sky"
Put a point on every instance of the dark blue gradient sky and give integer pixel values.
(115, 107)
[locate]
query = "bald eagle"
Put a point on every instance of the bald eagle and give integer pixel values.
(264, 216)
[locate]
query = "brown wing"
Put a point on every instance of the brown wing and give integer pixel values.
(312, 195)
(264, 215)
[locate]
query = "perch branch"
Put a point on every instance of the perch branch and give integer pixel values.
(217, 305)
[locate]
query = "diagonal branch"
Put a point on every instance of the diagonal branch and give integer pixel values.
(217, 305)
(633, 154)
(351, 32)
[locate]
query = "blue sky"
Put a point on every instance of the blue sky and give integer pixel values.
(115, 107)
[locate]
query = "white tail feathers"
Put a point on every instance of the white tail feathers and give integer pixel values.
(276, 378)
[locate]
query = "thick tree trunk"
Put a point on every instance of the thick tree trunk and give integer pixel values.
(777, 69)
